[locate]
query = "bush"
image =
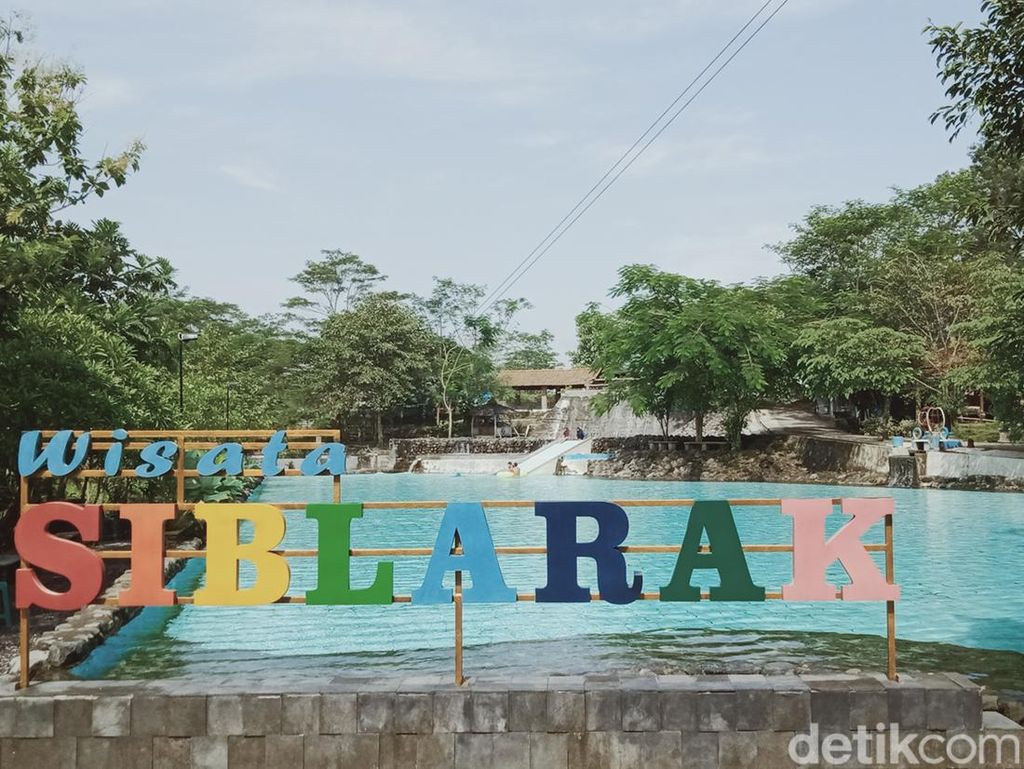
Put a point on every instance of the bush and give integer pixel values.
(880, 427)
(905, 427)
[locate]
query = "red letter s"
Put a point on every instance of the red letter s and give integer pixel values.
(39, 548)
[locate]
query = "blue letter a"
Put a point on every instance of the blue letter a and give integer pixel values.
(467, 520)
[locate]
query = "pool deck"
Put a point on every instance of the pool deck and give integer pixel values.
(536, 722)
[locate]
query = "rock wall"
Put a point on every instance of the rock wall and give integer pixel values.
(425, 722)
(796, 459)
(575, 409)
(406, 450)
(841, 456)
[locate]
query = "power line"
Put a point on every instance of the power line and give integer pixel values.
(545, 245)
(633, 146)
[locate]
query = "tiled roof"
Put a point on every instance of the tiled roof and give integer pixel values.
(537, 378)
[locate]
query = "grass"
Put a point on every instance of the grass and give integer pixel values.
(980, 432)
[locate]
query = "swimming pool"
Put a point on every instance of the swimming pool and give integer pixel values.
(956, 555)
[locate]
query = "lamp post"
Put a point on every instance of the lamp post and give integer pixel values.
(183, 336)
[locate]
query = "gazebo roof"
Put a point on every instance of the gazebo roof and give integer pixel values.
(546, 378)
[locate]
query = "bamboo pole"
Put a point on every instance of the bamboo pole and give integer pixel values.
(171, 434)
(377, 552)
(23, 617)
(890, 606)
(457, 599)
(185, 600)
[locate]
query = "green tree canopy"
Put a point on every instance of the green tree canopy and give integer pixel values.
(680, 344)
(369, 359)
(841, 356)
(42, 169)
(333, 283)
(241, 372)
(917, 264)
(983, 70)
(81, 342)
(461, 365)
(526, 350)
(588, 333)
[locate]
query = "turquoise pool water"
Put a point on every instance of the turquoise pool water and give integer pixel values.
(958, 557)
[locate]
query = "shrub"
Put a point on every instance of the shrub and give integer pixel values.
(881, 427)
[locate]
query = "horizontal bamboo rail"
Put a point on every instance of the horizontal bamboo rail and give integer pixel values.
(186, 600)
(186, 434)
(377, 552)
(492, 503)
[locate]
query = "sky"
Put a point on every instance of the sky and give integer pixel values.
(448, 138)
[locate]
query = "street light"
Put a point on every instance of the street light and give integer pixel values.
(183, 336)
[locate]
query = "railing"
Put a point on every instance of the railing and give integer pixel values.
(188, 440)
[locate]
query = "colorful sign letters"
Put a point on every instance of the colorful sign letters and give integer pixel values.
(63, 454)
(813, 554)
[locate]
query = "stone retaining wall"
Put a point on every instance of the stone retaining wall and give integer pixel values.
(406, 450)
(827, 454)
(558, 722)
(971, 470)
(772, 459)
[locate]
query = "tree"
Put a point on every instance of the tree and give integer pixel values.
(983, 71)
(680, 344)
(917, 264)
(842, 356)
(42, 170)
(80, 342)
(997, 363)
(466, 342)
(531, 351)
(241, 372)
(588, 331)
(335, 283)
(461, 368)
(370, 359)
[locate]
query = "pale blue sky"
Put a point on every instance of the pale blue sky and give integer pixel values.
(447, 138)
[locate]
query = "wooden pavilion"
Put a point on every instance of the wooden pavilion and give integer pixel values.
(548, 381)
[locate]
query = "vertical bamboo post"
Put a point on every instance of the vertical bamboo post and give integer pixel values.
(23, 672)
(460, 679)
(337, 478)
(890, 606)
(179, 471)
(457, 598)
(23, 624)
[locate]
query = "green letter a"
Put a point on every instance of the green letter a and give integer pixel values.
(726, 557)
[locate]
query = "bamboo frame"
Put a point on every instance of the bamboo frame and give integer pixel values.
(191, 439)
